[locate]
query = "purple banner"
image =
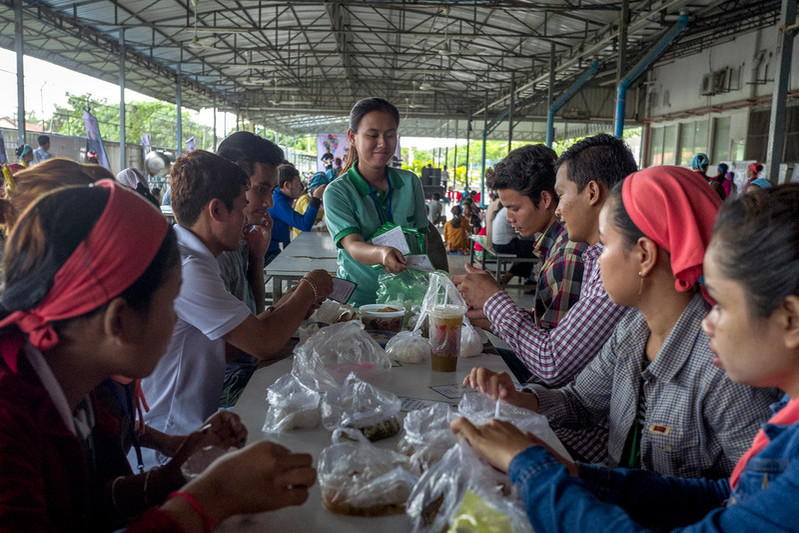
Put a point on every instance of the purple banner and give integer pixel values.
(95, 141)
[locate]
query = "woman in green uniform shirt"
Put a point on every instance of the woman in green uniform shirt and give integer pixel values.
(370, 194)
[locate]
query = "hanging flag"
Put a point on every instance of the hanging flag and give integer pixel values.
(191, 144)
(146, 145)
(95, 141)
(3, 157)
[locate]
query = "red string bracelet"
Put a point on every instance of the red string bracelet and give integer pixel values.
(208, 522)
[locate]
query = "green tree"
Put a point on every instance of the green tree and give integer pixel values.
(159, 119)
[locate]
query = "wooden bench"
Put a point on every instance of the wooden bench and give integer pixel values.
(499, 259)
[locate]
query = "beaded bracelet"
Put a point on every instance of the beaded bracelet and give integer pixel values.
(208, 522)
(314, 287)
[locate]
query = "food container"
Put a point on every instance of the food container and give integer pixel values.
(384, 317)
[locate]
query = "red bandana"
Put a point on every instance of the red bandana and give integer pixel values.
(675, 208)
(116, 253)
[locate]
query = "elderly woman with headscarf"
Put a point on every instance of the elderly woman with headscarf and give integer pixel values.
(669, 409)
(133, 179)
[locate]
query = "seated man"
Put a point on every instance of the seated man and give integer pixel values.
(525, 180)
(209, 198)
(242, 270)
(585, 174)
(283, 215)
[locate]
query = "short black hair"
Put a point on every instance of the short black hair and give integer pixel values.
(245, 149)
(43, 139)
(529, 170)
(602, 158)
(286, 173)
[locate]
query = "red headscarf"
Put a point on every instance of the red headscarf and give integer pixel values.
(116, 253)
(674, 207)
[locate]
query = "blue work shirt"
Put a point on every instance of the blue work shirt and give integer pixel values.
(284, 217)
(765, 499)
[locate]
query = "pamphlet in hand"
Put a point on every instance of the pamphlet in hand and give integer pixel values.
(342, 290)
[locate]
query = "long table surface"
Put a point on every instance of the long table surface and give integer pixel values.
(406, 381)
(310, 250)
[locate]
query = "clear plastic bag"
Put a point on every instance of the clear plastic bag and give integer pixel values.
(332, 312)
(408, 347)
(361, 406)
(427, 435)
(357, 478)
(465, 495)
(440, 290)
(325, 360)
(479, 408)
(292, 405)
(407, 287)
(471, 342)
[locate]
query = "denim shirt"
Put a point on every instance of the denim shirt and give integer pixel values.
(765, 499)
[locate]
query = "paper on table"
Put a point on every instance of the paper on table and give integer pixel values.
(412, 404)
(394, 238)
(420, 262)
(342, 290)
(453, 392)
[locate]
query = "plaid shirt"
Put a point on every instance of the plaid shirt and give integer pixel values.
(698, 423)
(561, 275)
(557, 355)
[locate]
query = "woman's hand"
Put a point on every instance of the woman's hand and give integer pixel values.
(498, 441)
(223, 429)
(323, 282)
(261, 477)
(392, 260)
(500, 386)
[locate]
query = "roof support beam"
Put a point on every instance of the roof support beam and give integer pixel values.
(776, 126)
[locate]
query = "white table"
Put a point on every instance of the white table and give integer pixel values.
(406, 381)
(309, 251)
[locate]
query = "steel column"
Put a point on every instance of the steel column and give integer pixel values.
(19, 48)
(123, 161)
(571, 91)
(640, 67)
(776, 127)
(551, 95)
(179, 108)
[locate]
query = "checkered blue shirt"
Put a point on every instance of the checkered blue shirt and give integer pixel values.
(698, 423)
(556, 355)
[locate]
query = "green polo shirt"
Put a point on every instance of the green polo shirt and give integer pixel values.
(349, 208)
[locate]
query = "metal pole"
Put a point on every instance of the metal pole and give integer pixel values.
(19, 48)
(776, 127)
(621, 63)
(485, 139)
(122, 137)
(510, 112)
(215, 110)
(468, 137)
(551, 95)
(179, 108)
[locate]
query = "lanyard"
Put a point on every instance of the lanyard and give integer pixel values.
(377, 205)
(130, 412)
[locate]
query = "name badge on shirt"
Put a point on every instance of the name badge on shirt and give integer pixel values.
(660, 429)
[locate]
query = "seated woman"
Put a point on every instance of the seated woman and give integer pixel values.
(456, 238)
(370, 194)
(90, 277)
(754, 336)
(668, 409)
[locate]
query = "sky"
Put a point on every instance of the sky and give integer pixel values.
(47, 85)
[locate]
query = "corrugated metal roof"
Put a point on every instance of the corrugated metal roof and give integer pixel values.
(300, 66)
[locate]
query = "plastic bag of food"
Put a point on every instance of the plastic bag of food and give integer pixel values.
(292, 405)
(471, 342)
(427, 436)
(462, 494)
(357, 478)
(479, 408)
(325, 360)
(332, 312)
(408, 347)
(440, 290)
(359, 405)
(407, 287)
